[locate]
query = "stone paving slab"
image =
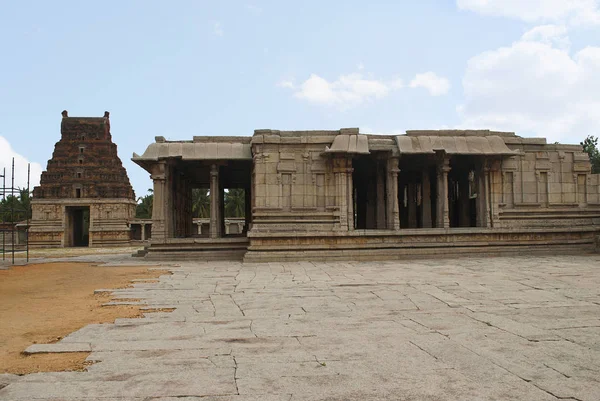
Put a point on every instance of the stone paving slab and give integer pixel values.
(59, 347)
(511, 328)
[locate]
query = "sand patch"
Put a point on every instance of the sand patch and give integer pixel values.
(41, 303)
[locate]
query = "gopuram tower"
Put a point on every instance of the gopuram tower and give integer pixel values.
(84, 197)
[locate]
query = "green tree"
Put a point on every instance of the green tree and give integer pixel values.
(200, 203)
(235, 201)
(144, 206)
(590, 146)
(15, 208)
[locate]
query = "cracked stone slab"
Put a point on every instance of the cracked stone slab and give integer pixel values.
(58, 348)
(510, 328)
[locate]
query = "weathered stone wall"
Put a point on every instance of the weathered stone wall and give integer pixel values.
(547, 186)
(108, 226)
(294, 186)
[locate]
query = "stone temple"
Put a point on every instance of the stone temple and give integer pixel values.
(335, 195)
(84, 197)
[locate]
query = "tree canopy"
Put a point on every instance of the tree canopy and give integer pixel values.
(144, 206)
(590, 146)
(15, 208)
(234, 203)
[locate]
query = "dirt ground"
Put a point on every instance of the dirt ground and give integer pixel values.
(66, 252)
(41, 303)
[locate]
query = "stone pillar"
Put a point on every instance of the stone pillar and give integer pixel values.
(443, 214)
(215, 223)
(160, 206)
(341, 184)
(380, 209)
(350, 194)
(412, 205)
(495, 191)
(426, 200)
(393, 209)
(143, 228)
(482, 204)
(464, 202)
(247, 210)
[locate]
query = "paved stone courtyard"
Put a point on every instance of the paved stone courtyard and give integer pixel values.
(522, 328)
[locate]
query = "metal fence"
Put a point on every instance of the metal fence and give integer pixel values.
(10, 211)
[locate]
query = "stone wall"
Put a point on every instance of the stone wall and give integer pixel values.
(108, 225)
(546, 186)
(294, 186)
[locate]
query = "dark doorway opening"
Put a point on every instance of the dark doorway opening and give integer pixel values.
(369, 183)
(232, 199)
(463, 193)
(78, 226)
(417, 191)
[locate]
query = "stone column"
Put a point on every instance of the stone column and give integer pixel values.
(350, 194)
(380, 209)
(143, 228)
(443, 214)
(160, 204)
(464, 202)
(215, 224)
(247, 210)
(393, 209)
(426, 200)
(482, 172)
(341, 184)
(412, 205)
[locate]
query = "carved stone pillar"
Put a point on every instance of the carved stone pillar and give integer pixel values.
(350, 194)
(247, 210)
(143, 228)
(340, 169)
(160, 203)
(215, 224)
(393, 209)
(380, 208)
(482, 210)
(426, 201)
(443, 214)
(412, 205)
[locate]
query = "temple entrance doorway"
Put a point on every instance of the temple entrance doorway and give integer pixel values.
(369, 197)
(463, 192)
(77, 230)
(417, 192)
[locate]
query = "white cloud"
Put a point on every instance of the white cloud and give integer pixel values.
(435, 84)
(548, 34)
(348, 90)
(360, 66)
(535, 87)
(572, 11)
(6, 155)
(397, 83)
(286, 84)
(218, 29)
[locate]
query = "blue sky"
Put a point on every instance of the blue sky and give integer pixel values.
(187, 68)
